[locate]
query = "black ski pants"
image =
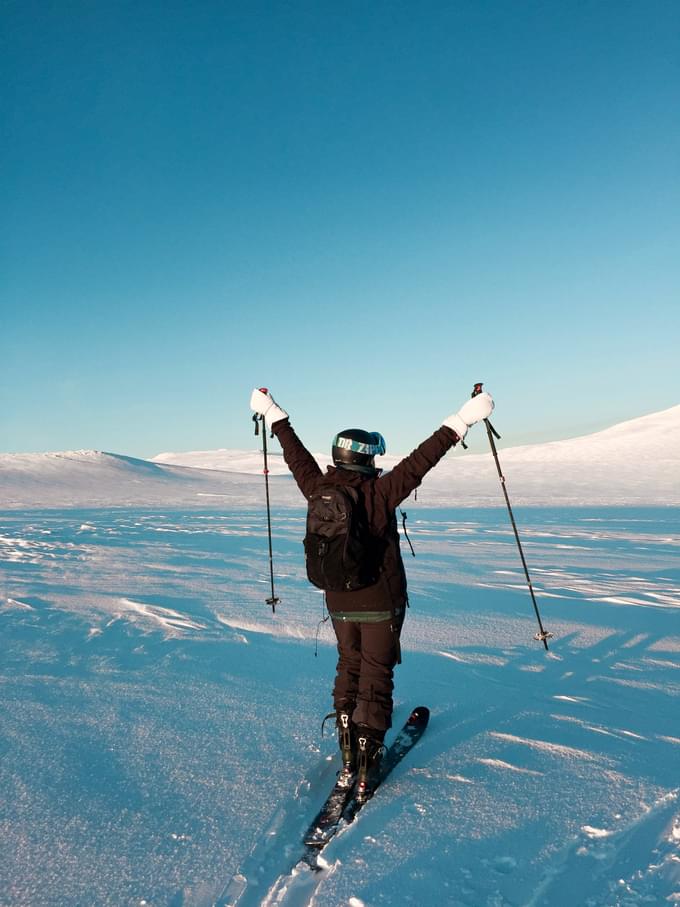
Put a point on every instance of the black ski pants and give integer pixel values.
(367, 655)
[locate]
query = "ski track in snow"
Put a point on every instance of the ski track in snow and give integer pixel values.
(163, 742)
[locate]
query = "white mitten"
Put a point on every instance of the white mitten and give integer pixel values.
(262, 402)
(476, 409)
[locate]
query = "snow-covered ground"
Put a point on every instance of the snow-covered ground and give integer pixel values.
(160, 737)
(633, 463)
(160, 733)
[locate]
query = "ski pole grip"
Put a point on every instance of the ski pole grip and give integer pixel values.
(477, 389)
(265, 390)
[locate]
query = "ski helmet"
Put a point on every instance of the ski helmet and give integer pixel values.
(356, 449)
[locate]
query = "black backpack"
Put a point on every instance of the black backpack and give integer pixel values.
(340, 553)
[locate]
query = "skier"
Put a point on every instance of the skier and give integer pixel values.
(367, 621)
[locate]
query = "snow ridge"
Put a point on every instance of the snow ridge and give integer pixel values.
(636, 463)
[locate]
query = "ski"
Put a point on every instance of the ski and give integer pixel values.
(342, 806)
(330, 814)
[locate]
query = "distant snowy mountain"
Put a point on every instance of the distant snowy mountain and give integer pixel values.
(245, 461)
(635, 462)
(92, 478)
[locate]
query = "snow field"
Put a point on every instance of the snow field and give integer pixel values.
(161, 735)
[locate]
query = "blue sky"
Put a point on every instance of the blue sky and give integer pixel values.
(366, 207)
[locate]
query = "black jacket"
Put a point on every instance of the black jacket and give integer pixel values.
(381, 495)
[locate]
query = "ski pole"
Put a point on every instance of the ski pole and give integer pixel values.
(272, 600)
(543, 635)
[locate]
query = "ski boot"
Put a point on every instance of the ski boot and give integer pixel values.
(347, 742)
(370, 751)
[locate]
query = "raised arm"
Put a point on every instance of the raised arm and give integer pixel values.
(306, 471)
(409, 473)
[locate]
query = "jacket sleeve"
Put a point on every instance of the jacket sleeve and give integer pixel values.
(306, 471)
(409, 473)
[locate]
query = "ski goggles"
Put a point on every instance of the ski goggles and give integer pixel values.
(376, 447)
